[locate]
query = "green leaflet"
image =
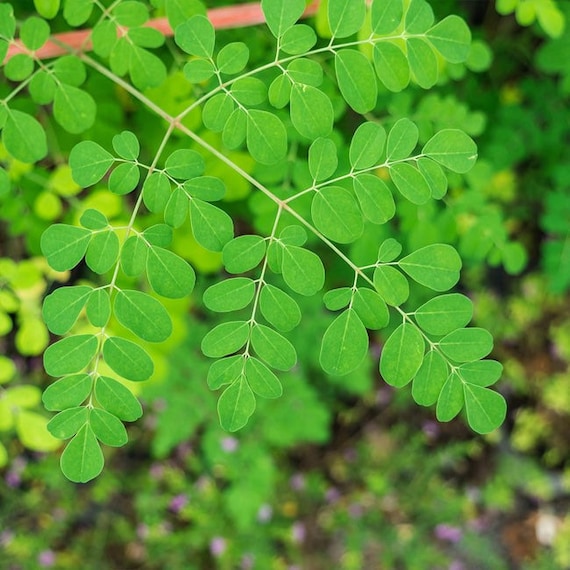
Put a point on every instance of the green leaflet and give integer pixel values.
(453, 149)
(452, 38)
(273, 348)
(184, 164)
(67, 392)
(303, 270)
(356, 80)
(196, 36)
(124, 178)
(159, 234)
(102, 251)
(391, 66)
(298, 39)
(73, 108)
(371, 308)
(24, 137)
(345, 344)
(392, 286)
(323, 159)
(434, 176)
(423, 63)
(243, 253)
(127, 359)
(225, 338)
(402, 139)
(47, 8)
(336, 214)
(70, 355)
(482, 373)
(211, 227)
(345, 17)
(82, 459)
(235, 129)
(419, 17)
(262, 380)
(34, 32)
(198, 70)
(444, 314)
(311, 111)
(232, 58)
(68, 422)
(206, 188)
(336, 299)
(134, 256)
(435, 266)
(466, 345)
(429, 379)
(107, 428)
(249, 91)
(385, 17)
(367, 145)
(217, 111)
(117, 399)
(450, 400)
(278, 308)
(176, 210)
(89, 162)
(486, 410)
(62, 307)
(225, 371)
(168, 274)
(126, 145)
(143, 315)
(230, 295)
(402, 355)
(98, 308)
(280, 15)
(93, 220)
(280, 91)
(266, 137)
(375, 198)
(306, 71)
(236, 405)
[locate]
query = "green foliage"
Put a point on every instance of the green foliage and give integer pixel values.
(326, 194)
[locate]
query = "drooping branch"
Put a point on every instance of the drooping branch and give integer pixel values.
(239, 16)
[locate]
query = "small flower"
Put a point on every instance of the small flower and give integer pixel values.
(355, 510)
(156, 471)
(264, 513)
(217, 546)
(430, 429)
(143, 531)
(6, 537)
(332, 495)
(229, 444)
(448, 533)
(46, 558)
(297, 482)
(247, 561)
(12, 479)
(178, 502)
(298, 532)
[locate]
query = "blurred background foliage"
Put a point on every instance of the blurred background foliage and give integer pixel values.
(359, 478)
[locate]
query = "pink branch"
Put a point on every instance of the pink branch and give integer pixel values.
(222, 18)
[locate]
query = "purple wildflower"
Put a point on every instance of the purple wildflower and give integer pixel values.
(178, 502)
(217, 546)
(264, 513)
(297, 482)
(229, 444)
(448, 533)
(46, 558)
(298, 532)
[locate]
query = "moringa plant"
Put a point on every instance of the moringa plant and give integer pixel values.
(324, 158)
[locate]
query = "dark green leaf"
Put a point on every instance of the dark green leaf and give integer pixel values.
(430, 379)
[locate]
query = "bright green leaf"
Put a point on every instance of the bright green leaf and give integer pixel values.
(453, 149)
(229, 295)
(24, 137)
(436, 266)
(232, 58)
(266, 137)
(196, 36)
(99, 308)
(444, 314)
(430, 379)
(212, 227)
(303, 270)
(68, 422)
(73, 108)
(356, 80)
(68, 392)
(311, 111)
(236, 405)
(281, 15)
(134, 256)
(482, 373)
(82, 459)
(107, 428)
(452, 39)
(102, 251)
(273, 348)
(62, 307)
(486, 410)
(280, 310)
(466, 345)
(386, 16)
(345, 344)
(367, 145)
(392, 286)
(450, 400)
(70, 355)
(184, 164)
(402, 355)
(298, 39)
(243, 253)
(117, 399)
(371, 308)
(375, 198)
(391, 66)
(168, 274)
(345, 17)
(423, 62)
(402, 139)
(262, 380)
(127, 359)
(225, 339)
(89, 162)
